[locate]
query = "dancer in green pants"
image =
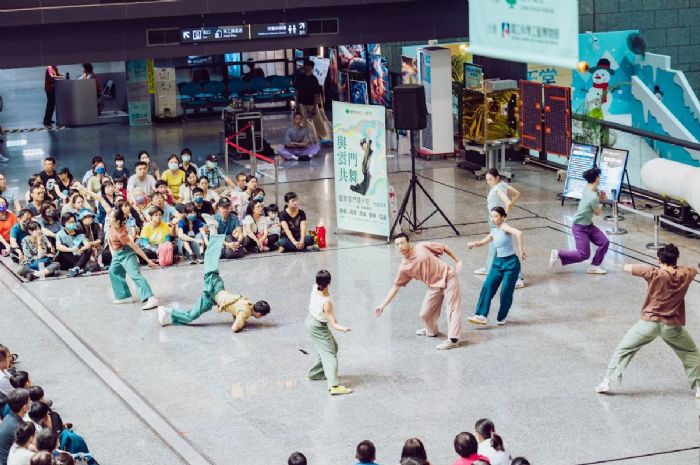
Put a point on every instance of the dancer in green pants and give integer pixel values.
(663, 315)
(214, 294)
(504, 270)
(124, 262)
(320, 315)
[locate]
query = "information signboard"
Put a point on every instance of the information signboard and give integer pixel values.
(613, 163)
(582, 158)
(279, 30)
(194, 35)
(473, 76)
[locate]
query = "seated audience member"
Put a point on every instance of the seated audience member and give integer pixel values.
(46, 440)
(8, 193)
(203, 207)
(229, 226)
(22, 449)
(141, 180)
(413, 448)
(36, 394)
(74, 252)
(174, 177)
(186, 194)
(366, 453)
(297, 144)
(39, 415)
(5, 362)
(155, 233)
(187, 166)
(245, 195)
(94, 235)
(490, 443)
(42, 458)
(255, 228)
(108, 197)
(273, 226)
(7, 222)
(294, 228)
(18, 401)
(64, 458)
(76, 202)
(33, 181)
(192, 234)
(151, 166)
(20, 380)
(162, 189)
(120, 171)
(170, 213)
(39, 253)
(297, 458)
(49, 177)
(63, 186)
(17, 235)
(410, 461)
(241, 182)
(89, 173)
(94, 184)
(120, 187)
(208, 194)
(217, 178)
(467, 448)
(37, 194)
(50, 222)
(140, 205)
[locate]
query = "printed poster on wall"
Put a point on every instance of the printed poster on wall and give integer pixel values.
(361, 184)
(137, 92)
(321, 66)
(530, 31)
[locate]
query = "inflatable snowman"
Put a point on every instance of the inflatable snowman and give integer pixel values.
(598, 97)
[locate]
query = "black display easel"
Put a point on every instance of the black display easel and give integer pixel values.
(629, 188)
(412, 218)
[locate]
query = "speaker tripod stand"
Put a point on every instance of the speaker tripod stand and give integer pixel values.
(411, 193)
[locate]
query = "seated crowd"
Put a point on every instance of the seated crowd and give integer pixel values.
(61, 224)
(31, 431)
(485, 447)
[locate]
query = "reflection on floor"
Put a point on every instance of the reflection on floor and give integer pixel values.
(242, 398)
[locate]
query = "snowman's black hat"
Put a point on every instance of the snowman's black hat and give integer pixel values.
(603, 63)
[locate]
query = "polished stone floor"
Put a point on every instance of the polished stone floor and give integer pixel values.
(242, 398)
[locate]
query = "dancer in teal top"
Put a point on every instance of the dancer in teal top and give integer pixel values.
(504, 270)
(214, 294)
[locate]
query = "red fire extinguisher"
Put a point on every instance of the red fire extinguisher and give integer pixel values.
(321, 234)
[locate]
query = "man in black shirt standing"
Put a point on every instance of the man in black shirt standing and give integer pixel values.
(308, 99)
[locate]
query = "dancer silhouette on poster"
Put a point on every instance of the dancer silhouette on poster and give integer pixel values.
(361, 188)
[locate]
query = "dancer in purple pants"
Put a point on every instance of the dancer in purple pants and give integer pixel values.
(584, 230)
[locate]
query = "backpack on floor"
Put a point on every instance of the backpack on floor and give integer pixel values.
(165, 253)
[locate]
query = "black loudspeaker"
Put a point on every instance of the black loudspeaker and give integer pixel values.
(408, 103)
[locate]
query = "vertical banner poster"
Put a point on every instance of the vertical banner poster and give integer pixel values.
(613, 163)
(582, 159)
(137, 92)
(321, 66)
(361, 184)
(529, 31)
(380, 92)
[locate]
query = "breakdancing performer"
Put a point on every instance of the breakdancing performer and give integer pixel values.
(663, 315)
(422, 262)
(214, 294)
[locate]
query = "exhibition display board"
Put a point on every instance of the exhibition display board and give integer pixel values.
(613, 163)
(582, 158)
(361, 184)
(137, 91)
(435, 74)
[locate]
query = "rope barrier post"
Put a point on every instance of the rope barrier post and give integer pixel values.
(616, 230)
(276, 180)
(254, 151)
(615, 217)
(226, 154)
(656, 245)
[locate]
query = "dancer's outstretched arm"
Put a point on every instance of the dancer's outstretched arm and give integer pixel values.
(392, 293)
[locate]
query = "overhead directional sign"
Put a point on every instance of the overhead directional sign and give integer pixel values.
(214, 34)
(277, 30)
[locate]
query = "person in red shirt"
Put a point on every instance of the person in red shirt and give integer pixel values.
(7, 220)
(663, 315)
(466, 447)
(422, 262)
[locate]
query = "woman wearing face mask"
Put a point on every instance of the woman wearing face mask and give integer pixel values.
(255, 228)
(38, 261)
(93, 234)
(174, 176)
(186, 193)
(49, 221)
(192, 234)
(94, 184)
(208, 194)
(187, 166)
(74, 251)
(152, 167)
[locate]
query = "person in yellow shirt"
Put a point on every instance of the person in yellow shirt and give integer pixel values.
(174, 176)
(155, 232)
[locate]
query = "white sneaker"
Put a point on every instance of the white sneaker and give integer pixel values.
(127, 300)
(424, 332)
(501, 322)
(478, 320)
(481, 271)
(604, 387)
(520, 284)
(447, 345)
(3, 158)
(596, 270)
(150, 304)
(553, 258)
(164, 317)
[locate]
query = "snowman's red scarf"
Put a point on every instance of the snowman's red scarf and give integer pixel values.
(603, 86)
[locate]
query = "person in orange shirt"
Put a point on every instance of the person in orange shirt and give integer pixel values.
(422, 262)
(7, 220)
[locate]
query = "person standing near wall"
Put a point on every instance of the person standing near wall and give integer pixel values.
(308, 97)
(50, 76)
